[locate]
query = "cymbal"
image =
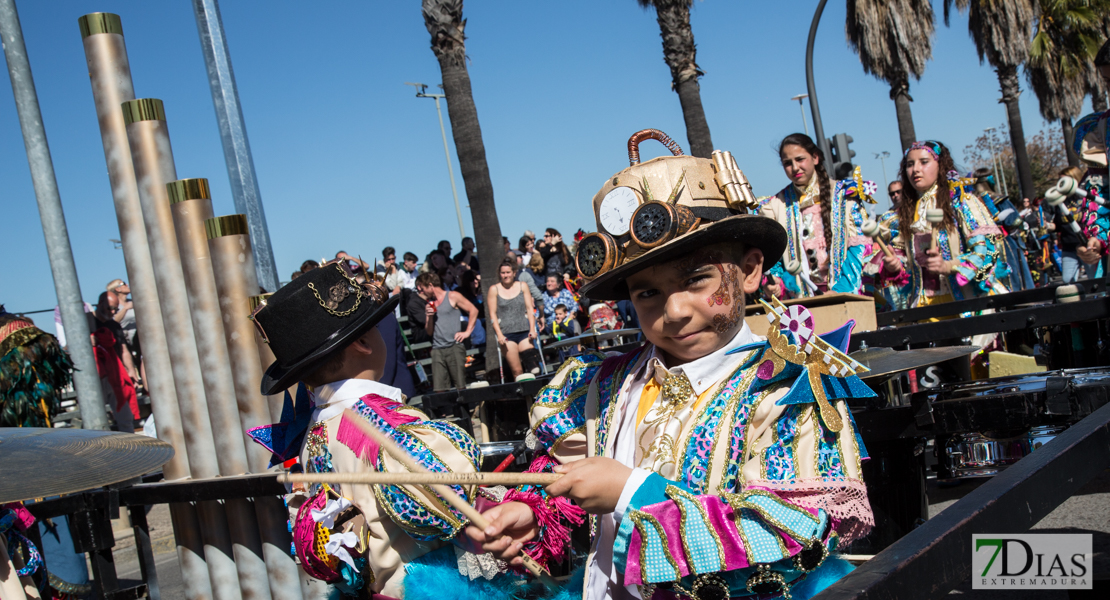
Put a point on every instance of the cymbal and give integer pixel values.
(39, 462)
(887, 361)
(593, 335)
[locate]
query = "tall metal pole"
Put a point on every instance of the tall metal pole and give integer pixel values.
(802, 109)
(811, 87)
(421, 92)
(90, 396)
(152, 156)
(450, 170)
(233, 136)
(110, 75)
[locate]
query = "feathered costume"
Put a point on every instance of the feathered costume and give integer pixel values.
(33, 372)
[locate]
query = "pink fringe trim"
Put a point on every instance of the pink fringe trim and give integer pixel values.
(351, 435)
(552, 515)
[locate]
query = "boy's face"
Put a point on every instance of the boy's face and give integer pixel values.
(560, 314)
(693, 306)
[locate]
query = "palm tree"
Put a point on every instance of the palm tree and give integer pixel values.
(1001, 30)
(445, 23)
(894, 39)
(679, 53)
(1060, 60)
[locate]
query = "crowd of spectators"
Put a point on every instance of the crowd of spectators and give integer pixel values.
(533, 294)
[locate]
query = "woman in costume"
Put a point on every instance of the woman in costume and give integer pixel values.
(965, 261)
(825, 249)
(1009, 220)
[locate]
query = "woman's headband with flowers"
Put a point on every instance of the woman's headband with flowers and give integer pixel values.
(929, 146)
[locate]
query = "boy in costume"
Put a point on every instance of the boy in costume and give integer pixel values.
(386, 539)
(715, 463)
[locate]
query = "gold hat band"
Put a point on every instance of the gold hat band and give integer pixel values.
(94, 23)
(188, 189)
(143, 109)
(226, 225)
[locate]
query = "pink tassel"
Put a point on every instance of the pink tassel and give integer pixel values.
(552, 515)
(352, 436)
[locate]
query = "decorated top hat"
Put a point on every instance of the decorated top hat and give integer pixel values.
(657, 211)
(313, 316)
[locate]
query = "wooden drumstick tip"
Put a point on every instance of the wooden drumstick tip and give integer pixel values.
(934, 216)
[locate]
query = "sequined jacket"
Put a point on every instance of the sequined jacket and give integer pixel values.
(849, 246)
(973, 243)
(763, 478)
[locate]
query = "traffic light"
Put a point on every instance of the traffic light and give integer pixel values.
(841, 155)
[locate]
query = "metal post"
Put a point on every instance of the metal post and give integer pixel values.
(233, 136)
(802, 109)
(421, 92)
(191, 204)
(90, 396)
(110, 75)
(450, 170)
(811, 87)
(152, 157)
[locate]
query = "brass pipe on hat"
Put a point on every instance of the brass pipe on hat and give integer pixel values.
(152, 156)
(110, 76)
(191, 204)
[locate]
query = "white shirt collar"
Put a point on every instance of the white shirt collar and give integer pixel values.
(709, 369)
(333, 398)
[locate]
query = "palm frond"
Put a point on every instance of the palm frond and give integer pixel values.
(894, 38)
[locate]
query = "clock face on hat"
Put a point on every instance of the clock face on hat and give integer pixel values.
(616, 210)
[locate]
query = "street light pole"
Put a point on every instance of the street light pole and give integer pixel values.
(811, 87)
(422, 93)
(799, 98)
(882, 156)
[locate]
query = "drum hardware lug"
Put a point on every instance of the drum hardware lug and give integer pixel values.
(919, 449)
(923, 413)
(1057, 397)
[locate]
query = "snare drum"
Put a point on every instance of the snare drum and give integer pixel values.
(972, 455)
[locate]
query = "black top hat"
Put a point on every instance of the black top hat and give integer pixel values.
(313, 316)
(659, 210)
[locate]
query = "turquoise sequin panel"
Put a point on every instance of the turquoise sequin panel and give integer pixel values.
(799, 524)
(763, 542)
(699, 541)
(656, 568)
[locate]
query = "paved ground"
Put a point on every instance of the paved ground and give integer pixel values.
(1086, 512)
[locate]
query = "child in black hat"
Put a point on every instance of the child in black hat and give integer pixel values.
(322, 330)
(714, 461)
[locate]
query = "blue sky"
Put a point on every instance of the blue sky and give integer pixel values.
(348, 159)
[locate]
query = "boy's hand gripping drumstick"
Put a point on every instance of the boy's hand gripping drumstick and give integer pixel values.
(443, 491)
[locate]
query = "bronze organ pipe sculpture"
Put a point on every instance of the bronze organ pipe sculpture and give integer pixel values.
(233, 266)
(191, 204)
(110, 76)
(152, 157)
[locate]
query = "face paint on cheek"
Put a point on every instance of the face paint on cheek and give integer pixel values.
(721, 296)
(722, 323)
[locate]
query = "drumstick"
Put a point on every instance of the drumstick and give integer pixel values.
(936, 217)
(871, 230)
(378, 478)
(443, 491)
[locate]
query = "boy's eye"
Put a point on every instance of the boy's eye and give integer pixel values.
(696, 279)
(646, 294)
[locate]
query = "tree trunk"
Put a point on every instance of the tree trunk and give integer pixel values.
(697, 128)
(1098, 100)
(471, 151)
(900, 93)
(1008, 80)
(1069, 137)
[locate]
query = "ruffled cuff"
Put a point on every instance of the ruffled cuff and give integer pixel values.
(980, 263)
(695, 534)
(554, 516)
(883, 278)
